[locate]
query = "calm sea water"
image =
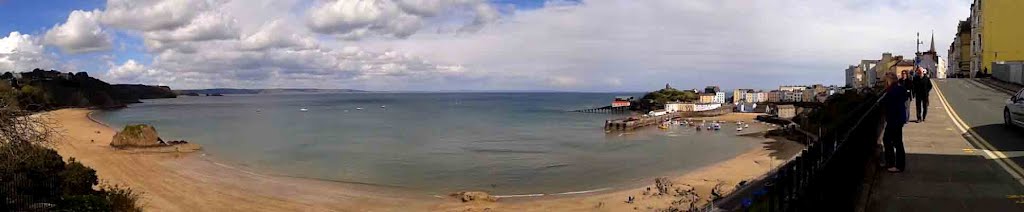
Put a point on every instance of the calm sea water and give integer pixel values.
(505, 143)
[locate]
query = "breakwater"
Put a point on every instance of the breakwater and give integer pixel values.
(605, 109)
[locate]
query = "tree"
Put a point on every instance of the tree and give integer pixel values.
(33, 98)
(8, 95)
(658, 99)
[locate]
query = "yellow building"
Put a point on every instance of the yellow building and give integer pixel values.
(1001, 32)
(707, 98)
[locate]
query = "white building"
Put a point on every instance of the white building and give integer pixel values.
(706, 107)
(719, 97)
(941, 69)
(673, 107)
(657, 113)
(792, 88)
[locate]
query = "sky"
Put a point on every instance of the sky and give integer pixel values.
(436, 45)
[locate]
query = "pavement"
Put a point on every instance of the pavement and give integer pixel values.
(961, 159)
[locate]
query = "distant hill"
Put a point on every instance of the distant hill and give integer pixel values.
(43, 90)
(216, 91)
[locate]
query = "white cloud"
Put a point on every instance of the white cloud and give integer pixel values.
(21, 52)
(277, 34)
(206, 26)
(149, 15)
(81, 33)
(133, 72)
(399, 18)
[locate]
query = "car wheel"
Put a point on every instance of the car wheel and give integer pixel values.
(1006, 118)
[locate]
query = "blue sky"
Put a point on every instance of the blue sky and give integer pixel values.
(28, 16)
(611, 45)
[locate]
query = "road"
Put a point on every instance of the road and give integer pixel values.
(980, 108)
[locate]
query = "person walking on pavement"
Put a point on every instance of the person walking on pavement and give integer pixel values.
(907, 81)
(922, 86)
(894, 105)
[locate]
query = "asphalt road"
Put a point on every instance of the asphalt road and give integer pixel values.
(981, 108)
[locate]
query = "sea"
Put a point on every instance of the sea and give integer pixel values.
(508, 144)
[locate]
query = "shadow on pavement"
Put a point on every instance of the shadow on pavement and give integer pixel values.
(934, 182)
(1001, 137)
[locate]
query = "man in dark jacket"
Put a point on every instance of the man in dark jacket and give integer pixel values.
(922, 86)
(907, 81)
(894, 105)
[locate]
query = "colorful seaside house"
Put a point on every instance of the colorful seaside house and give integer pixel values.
(622, 101)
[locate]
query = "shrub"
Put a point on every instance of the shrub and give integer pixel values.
(122, 199)
(29, 174)
(85, 203)
(78, 179)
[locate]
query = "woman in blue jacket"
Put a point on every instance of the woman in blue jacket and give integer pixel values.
(895, 107)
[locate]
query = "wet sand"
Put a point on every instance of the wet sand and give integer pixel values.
(194, 182)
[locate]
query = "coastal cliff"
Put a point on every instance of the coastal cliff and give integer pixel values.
(44, 90)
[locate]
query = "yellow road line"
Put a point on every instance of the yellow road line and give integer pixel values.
(1008, 165)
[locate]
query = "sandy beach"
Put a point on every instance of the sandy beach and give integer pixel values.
(194, 182)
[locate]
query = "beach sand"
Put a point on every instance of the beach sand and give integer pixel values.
(194, 182)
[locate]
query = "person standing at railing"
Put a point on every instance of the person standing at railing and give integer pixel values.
(895, 104)
(922, 86)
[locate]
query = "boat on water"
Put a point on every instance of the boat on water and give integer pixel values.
(303, 109)
(359, 108)
(717, 126)
(739, 129)
(383, 106)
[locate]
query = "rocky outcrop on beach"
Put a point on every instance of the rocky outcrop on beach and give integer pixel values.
(137, 135)
(144, 138)
(474, 196)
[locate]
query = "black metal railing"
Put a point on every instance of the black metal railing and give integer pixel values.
(826, 176)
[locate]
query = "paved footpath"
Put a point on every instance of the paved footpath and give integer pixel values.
(944, 172)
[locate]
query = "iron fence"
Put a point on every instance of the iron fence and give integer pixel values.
(826, 176)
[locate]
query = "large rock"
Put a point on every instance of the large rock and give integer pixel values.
(472, 196)
(138, 135)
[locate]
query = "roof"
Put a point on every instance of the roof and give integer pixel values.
(905, 63)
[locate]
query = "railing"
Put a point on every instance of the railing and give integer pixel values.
(826, 176)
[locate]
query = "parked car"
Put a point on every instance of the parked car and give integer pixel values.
(1013, 114)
